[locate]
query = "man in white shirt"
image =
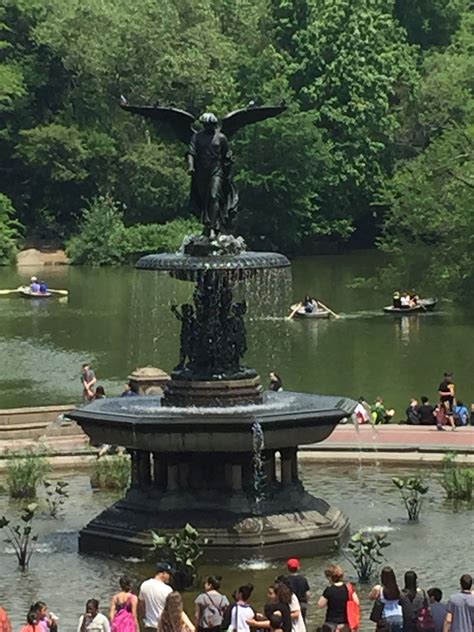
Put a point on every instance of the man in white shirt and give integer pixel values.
(152, 596)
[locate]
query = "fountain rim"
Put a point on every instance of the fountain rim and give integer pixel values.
(246, 261)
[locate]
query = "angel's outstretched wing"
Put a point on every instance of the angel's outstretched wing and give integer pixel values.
(237, 119)
(179, 121)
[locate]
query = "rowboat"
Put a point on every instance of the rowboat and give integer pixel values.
(27, 293)
(424, 305)
(316, 313)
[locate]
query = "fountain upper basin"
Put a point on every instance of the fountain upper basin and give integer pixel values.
(287, 419)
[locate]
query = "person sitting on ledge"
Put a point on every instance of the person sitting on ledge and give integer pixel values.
(379, 413)
(130, 390)
(412, 413)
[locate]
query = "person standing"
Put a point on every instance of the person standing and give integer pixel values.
(335, 598)
(447, 391)
(298, 584)
(173, 618)
(241, 612)
(123, 608)
(93, 620)
(437, 608)
(152, 596)
(88, 380)
(388, 593)
(412, 600)
(210, 606)
(460, 615)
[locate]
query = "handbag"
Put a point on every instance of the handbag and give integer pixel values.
(352, 609)
(377, 611)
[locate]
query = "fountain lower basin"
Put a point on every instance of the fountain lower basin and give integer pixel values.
(195, 465)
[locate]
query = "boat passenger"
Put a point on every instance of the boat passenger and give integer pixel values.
(405, 301)
(396, 300)
(34, 286)
(310, 304)
(414, 298)
(43, 287)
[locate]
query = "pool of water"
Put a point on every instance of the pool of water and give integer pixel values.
(120, 318)
(439, 547)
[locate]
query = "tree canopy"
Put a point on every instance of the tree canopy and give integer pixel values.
(377, 90)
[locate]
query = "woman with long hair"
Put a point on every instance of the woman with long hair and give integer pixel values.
(389, 594)
(38, 619)
(210, 606)
(123, 608)
(173, 618)
(286, 592)
(412, 600)
(277, 604)
(335, 598)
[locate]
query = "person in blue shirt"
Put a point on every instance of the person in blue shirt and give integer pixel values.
(461, 414)
(43, 288)
(34, 286)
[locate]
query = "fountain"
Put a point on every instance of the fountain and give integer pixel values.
(196, 451)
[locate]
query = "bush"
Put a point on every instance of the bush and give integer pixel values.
(111, 472)
(101, 239)
(457, 481)
(412, 489)
(25, 472)
(364, 552)
(9, 231)
(183, 549)
(146, 238)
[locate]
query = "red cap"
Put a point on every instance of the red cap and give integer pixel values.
(293, 564)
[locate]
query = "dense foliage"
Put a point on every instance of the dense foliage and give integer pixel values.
(379, 95)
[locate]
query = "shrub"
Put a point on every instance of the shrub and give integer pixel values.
(111, 472)
(9, 231)
(183, 549)
(56, 495)
(457, 481)
(25, 472)
(412, 489)
(101, 239)
(146, 238)
(364, 552)
(20, 536)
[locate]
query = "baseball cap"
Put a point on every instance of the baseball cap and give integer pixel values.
(293, 564)
(164, 567)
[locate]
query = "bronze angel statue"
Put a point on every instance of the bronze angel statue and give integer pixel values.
(213, 197)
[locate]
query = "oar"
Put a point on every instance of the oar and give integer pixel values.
(9, 291)
(62, 292)
(298, 306)
(328, 309)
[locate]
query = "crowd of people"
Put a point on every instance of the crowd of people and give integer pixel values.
(448, 411)
(159, 608)
(92, 391)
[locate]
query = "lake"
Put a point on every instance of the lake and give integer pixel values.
(120, 318)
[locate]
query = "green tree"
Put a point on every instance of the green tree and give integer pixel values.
(9, 231)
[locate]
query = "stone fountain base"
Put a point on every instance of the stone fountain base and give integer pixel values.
(231, 472)
(292, 521)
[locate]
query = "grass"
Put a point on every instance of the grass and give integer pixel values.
(26, 471)
(111, 472)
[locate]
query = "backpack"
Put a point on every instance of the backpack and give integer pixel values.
(425, 621)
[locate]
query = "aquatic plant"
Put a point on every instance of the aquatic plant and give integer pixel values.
(20, 536)
(364, 552)
(457, 480)
(111, 472)
(56, 495)
(183, 549)
(25, 473)
(412, 489)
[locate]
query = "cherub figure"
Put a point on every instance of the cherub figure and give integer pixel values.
(237, 334)
(187, 336)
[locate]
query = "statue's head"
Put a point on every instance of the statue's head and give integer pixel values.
(209, 120)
